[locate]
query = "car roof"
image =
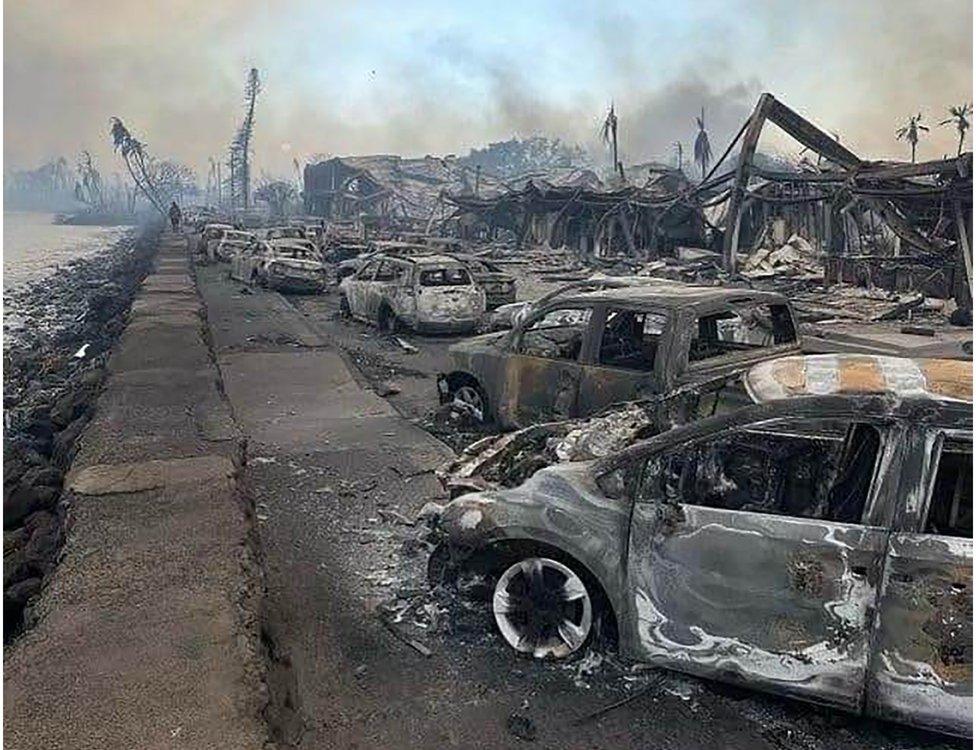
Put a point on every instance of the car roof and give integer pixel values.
(291, 242)
(427, 259)
(860, 374)
(675, 295)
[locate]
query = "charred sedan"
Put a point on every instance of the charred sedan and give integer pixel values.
(499, 286)
(817, 544)
(427, 293)
(292, 265)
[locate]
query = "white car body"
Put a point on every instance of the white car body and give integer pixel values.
(428, 293)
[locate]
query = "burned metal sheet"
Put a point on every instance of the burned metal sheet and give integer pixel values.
(781, 604)
(922, 668)
(861, 374)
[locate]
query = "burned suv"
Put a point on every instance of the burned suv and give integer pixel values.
(816, 544)
(427, 293)
(580, 352)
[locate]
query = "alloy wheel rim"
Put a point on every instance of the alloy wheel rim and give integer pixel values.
(542, 607)
(469, 396)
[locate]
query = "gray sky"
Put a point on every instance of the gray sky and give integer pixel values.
(441, 77)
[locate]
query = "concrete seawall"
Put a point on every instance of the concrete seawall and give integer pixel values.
(147, 633)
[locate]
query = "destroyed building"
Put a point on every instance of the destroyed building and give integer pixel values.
(897, 226)
(588, 218)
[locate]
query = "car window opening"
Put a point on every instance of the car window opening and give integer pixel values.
(630, 339)
(444, 277)
(557, 335)
(825, 476)
(951, 504)
(728, 332)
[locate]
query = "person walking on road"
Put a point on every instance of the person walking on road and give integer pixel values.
(175, 216)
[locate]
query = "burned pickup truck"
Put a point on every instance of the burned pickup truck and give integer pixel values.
(577, 353)
(816, 544)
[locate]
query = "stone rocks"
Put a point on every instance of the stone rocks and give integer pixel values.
(31, 494)
(64, 443)
(20, 592)
(48, 394)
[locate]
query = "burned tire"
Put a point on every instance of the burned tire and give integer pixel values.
(543, 608)
(465, 393)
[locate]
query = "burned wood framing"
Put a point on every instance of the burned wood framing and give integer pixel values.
(907, 203)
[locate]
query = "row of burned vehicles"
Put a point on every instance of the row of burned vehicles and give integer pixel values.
(418, 285)
(286, 258)
(681, 477)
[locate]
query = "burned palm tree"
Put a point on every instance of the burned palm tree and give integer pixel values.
(89, 187)
(242, 141)
(703, 149)
(959, 116)
(133, 153)
(609, 135)
(909, 132)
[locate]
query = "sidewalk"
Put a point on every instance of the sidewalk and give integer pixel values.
(325, 456)
(147, 632)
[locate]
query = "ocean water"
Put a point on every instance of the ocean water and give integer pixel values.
(33, 246)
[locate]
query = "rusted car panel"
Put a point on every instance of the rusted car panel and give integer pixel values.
(637, 341)
(850, 373)
(778, 603)
(922, 669)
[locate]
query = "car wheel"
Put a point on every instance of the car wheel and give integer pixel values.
(468, 397)
(543, 608)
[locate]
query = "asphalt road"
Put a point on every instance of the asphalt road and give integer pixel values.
(365, 655)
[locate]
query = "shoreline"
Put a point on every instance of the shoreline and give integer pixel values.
(48, 397)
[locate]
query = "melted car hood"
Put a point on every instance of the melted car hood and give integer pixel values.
(485, 340)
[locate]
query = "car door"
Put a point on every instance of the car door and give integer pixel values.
(629, 358)
(749, 559)
(381, 288)
(921, 669)
(358, 288)
(542, 370)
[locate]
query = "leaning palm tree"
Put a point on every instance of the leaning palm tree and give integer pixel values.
(703, 149)
(133, 153)
(910, 131)
(959, 116)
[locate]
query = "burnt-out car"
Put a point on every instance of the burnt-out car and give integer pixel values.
(499, 285)
(578, 353)
(815, 544)
(426, 293)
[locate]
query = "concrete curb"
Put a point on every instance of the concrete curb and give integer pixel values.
(146, 635)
